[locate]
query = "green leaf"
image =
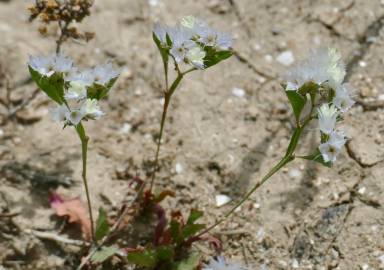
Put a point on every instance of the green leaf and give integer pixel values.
(175, 230)
(317, 157)
(97, 91)
(190, 263)
(53, 86)
(163, 51)
(103, 254)
(293, 142)
(213, 57)
(297, 102)
(194, 215)
(164, 253)
(191, 229)
(151, 256)
(102, 226)
(81, 132)
(146, 258)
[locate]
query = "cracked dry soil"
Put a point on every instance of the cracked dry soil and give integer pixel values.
(305, 217)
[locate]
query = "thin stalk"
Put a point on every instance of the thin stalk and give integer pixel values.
(84, 150)
(63, 31)
(284, 161)
(167, 99)
(288, 157)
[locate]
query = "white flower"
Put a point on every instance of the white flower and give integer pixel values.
(322, 66)
(336, 68)
(330, 149)
(189, 21)
(104, 74)
(48, 65)
(59, 113)
(181, 42)
(196, 57)
(43, 65)
(85, 77)
(161, 33)
(74, 116)
(342, 99)
(90, 108)
(208, 36)
(220, 264)
(291, 86)
(224, 41)
(63, 64)
(327, 115)
(77, 90)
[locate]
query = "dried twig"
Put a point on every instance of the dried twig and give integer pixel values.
(57, 238)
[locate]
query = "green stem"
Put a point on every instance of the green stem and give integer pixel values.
(167, 99)
(84, 150)
(289, 156)
(275, 169)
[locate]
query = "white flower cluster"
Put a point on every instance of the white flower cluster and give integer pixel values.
(220, 264)
(189, 39)
(76, 85)
(325, 68)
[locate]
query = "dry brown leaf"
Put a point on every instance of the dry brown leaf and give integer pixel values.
(75, 210)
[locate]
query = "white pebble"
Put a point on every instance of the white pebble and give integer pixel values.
(380, 97)
(238, 92)
(365, 267)
(153, 3)
(295, 264)
(178, 168)
(1, 132)
(222, 199)
(257, 47)
(126, 128)
(381, 259)
(362, 63)
(268, 58)
(294, 173)
(256, 205)
(260, 235)
(286, 58)
(362, 190)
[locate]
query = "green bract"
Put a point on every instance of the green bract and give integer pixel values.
(53, 85)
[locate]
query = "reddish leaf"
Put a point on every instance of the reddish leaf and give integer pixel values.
(161, 224)
(75, 210)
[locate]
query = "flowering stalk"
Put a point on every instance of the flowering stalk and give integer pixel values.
(191, 43)
(313, 81)
(84, 151)
(77, 94)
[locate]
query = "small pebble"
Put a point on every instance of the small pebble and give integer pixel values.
(268, 58)
(286, 58)
(362, 190)
(260, 235)
(381, 259)
(294, 173)
(126, 128)
(362, 63)
(178, 168)
(238, 92)
(256, 205)
(222, 199)
(1, 132)
(153, 3)
(295, 264)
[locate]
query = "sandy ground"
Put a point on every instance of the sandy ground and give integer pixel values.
(306, 217)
